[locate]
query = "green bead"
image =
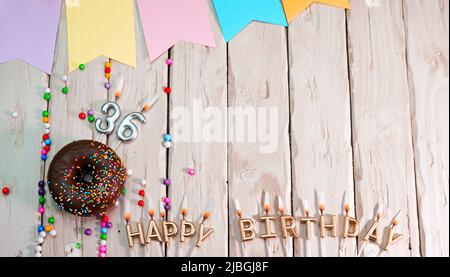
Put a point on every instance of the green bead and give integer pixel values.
(78, 245)
(41, 200)
(124, 191)
(51, 220)
(82, 67)
(65, 90)
(103, 236)
(45, 114)
(91, 118)
(47, 96)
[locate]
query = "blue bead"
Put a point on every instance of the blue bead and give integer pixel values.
(167, 137)
(41, 192)
(104, 230)
(43, 157)
(48, 142)
(40, 228)
(41, 184)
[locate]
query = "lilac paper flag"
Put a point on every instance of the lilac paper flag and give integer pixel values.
(167, 22)
(28, 30)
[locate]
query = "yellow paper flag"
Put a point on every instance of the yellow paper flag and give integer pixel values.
(293, 7)
(100, 27)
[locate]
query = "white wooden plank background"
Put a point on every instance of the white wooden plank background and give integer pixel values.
(362, 99)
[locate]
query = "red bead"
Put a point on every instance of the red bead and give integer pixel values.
(107, 70)
(5, 190)
(167, 90)
(105, 218)
(82, 116)
(45, 137)
(142, 192)
(47, 148)
(141, 203)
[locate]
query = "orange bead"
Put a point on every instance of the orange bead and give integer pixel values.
(48, 228)
(108, 75)
(45, 119)
(108, 65)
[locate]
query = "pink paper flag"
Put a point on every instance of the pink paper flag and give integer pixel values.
(167, 22)
(28, 30)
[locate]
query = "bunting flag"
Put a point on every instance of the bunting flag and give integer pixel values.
(293, 7)
(236, 15)
(28, 30)
(167, 22)
(100, 27)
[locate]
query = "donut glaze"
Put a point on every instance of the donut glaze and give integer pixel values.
(86, 177)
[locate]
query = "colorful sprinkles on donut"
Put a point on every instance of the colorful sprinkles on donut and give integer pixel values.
(86, 178)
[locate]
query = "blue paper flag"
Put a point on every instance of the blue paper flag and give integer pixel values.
(235, 15)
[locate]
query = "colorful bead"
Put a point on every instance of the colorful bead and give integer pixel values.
(107, 85)
(45, 113)
(90, 112)
(107, 65)
(166, 182)
(141, 203)
(102, 255)
(103, 224)
(82, 67)
(167, 90)
(48, 228)
(104, 236)
(107, 69)
(43, 152)
(191, 171)
(44, 157)
(169, 62)
(102, 249)
(41, 184)
(47, 96)
(166, 200)
(105, 218)
(109, 225)
(40, 228)
(41, 200)
(167, 137)
(47, 148)
(41, 192)
(65, 90)
(47, 90)
(82, 116)
(142, 192)
(48, 142)
(104, 230)
(51, 220)
(91, 118)
(5, 190)
(124, 191)
(41, 210)
(78, 245)
(107, 75)
(88, 232)
(102, 242)
(166, 207)
(45, 119)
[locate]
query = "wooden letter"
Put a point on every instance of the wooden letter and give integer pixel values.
(307, 221)
(288, 225)
(374, 233)
(330, 226)
(351, 227)
(170, 229)
(392, 238)
(139, 234)
(267, 220)
(247, 228)
(202, 235)
(187, 230)
(153, 232)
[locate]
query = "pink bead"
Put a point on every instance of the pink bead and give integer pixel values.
(43, 152)
(191, 171)
(41, 210)
(102, 249)
(166, 200)
(103, 224)
(102, 255)
(169, 61)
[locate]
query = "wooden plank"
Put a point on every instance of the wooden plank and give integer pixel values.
(382, 144)
(199, 80)
(320, 122)
(86, 91)
(21, 90)
(145, 156)
(427, 48)
(258, 79)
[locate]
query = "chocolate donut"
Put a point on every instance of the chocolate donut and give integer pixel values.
(86, 177)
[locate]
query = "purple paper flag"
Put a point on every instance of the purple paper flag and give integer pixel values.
(28, 30)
